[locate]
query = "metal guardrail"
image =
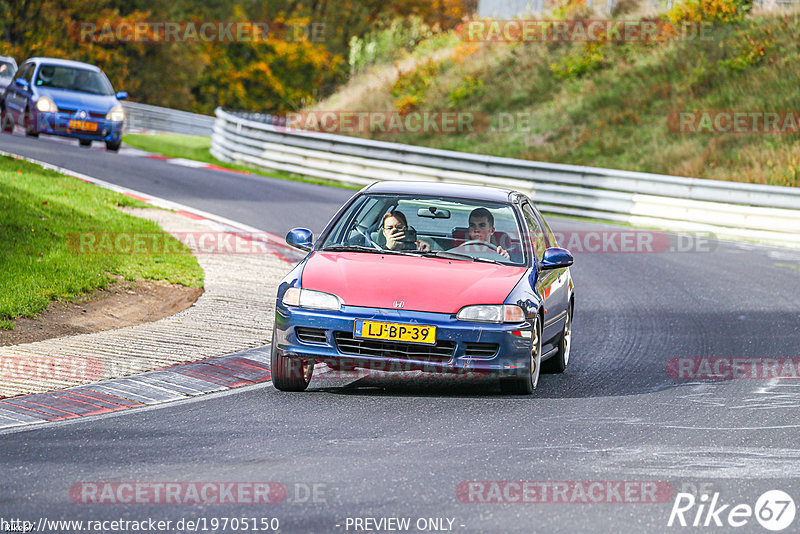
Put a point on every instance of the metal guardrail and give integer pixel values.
(154, 118)
(727, 209)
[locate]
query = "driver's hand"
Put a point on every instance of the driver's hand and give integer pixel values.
(503, 252)
(423, 246)
(394, 238)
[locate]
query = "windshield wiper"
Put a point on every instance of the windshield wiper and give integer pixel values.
(361, 248)
(453, 256)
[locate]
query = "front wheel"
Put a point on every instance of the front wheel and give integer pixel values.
(5, 121)
(112, 146)
(85, 142)
(524, 385)
(559, 361)
(30, 127)
(289, 374)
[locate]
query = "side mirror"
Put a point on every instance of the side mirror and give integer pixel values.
(22, 82)
(555, 258)
(121, 95)
(301, 238)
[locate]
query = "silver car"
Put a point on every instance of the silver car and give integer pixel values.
(8, 69)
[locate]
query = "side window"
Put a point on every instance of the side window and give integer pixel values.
(548, 233)
(21, 71)
(537, 235)
(28, 74)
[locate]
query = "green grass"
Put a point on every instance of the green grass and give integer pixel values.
(613, 111)
(174, 146)
(41, 215)
(196, 147)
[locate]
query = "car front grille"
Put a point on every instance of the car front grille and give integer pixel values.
(310, 335)
(71, 111)
(481, 350)
(441, 351)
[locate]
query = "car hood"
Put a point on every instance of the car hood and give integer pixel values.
(422, 284)
(73, 100)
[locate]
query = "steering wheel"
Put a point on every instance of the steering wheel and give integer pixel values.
(477, 242)
(368, 239)
(490, 254)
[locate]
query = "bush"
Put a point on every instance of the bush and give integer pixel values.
(749, 53)
(410, 89)
(714, 11)
(469, 87)
(569, 9)
(588, 58)
(387, 44)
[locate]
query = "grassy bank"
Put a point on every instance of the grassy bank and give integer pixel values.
(39, 212)
(196, 147)
(606, 104)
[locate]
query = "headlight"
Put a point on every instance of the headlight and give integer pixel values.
(117, 114)
(47, 105)
(307, 298)
(502, 313)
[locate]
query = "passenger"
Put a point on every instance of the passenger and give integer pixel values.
(394, 228)
(481, 228)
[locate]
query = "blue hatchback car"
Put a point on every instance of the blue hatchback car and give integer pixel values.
(65, 98)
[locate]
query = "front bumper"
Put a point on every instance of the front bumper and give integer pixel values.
(58, 124)
(456, 341)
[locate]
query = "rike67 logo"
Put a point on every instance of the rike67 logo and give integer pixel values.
(774, 510)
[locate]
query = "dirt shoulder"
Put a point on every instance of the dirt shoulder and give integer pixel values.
(123, 303)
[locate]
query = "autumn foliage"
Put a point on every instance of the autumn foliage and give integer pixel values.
(283, 72)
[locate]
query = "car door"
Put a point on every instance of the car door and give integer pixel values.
(16, 96)
(546, 281)
(559, 292)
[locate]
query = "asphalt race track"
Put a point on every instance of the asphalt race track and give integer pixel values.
(398, 448)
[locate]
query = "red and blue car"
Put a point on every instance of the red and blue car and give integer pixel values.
(428, 277)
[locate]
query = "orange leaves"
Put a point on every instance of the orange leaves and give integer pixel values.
(716, 11)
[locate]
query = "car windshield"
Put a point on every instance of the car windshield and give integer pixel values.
(73, 79)
(7, 69)
(452, 228)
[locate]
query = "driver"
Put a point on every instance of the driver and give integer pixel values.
(45, 75)
(394, 228)
(481, 228)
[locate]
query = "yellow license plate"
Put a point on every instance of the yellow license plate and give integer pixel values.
(86, 126)
(412, 333)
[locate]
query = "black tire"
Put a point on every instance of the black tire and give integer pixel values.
(113, 147)
(30, 130)
(524, 385)
(559, 361)
(289, 374)
(85, 142)
(5, 121)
